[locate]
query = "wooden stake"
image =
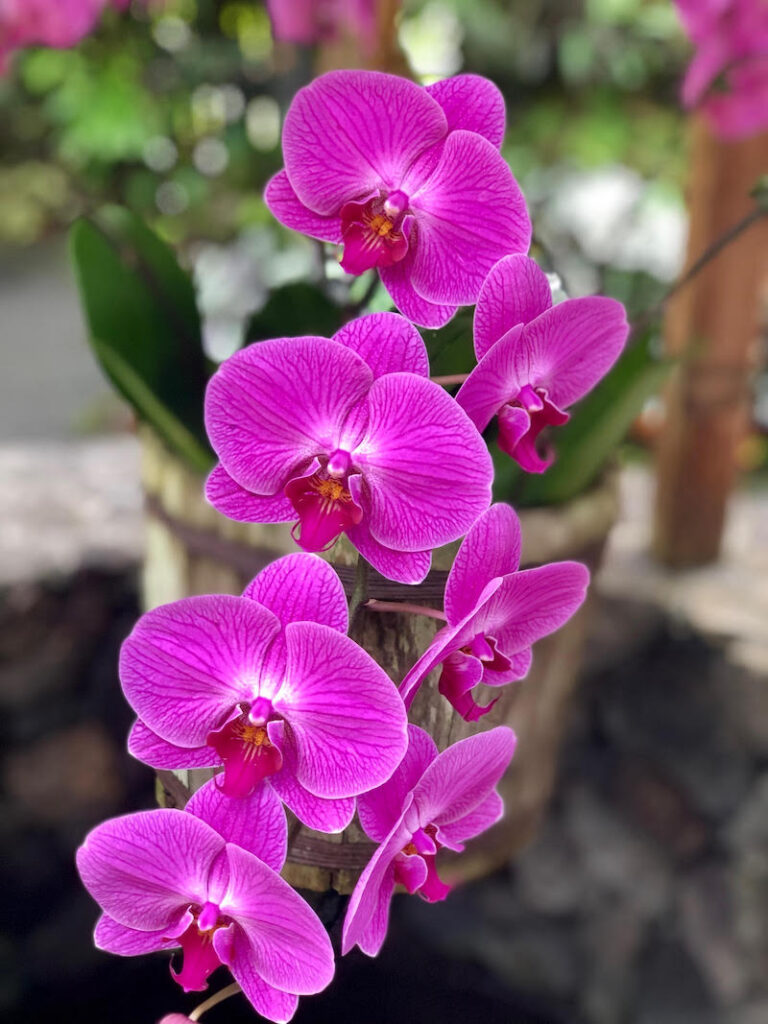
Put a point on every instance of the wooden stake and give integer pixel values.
(712, 324)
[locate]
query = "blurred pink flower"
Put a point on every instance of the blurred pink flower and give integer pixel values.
(55, 23)
(312, 21)
(731, 39)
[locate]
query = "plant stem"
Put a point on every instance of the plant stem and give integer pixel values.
(357, 307)
(451, 378)
(403, 608)
(728, 236)
(217, 997)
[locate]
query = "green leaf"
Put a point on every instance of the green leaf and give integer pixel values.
(597, 426)
(292, 310)
(451, 348)
(144, 326)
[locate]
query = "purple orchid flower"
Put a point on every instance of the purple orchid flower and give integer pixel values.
(534, 358)
(347, 435)
(494, 613)
(249, 683)
(206, 880)
(409, 179)
(432, 801)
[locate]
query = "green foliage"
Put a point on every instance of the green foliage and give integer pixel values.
(450, 348)
(598, 424)
(144, 326)
(295, 309)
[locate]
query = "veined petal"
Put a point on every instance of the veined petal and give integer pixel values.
(235, 502)
(350, 132)
(461, 674)
(143, 869)
(387, 342)
(397, 280)
(454, 835)
(116, 938)
(256, 822)
(268, 1001)
(329, 816)
(573, 345)
(490, 549)
(276, 404)
(403, 566)
(301, 588)
(531, 604)
(366, 918)
(189, 663)
(515, 292)
(469, 214)
(427, 470)
(461, 778)
(150, 748)
(285, 205)
(472, 103)
(496, 379)
(288, 946)
(380, 808)
(345, 714)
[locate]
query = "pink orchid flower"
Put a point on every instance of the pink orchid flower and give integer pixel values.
(494, 613)
(534, 359)
(432, 801)
(55, 23)
(205, 879)
(249, 682)
(731, 39)
(409, 179)
(307, 22)
(333, 433)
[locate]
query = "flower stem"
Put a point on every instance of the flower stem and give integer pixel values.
(452, 378)
(358, 307)
(217, 997)
(404, 608)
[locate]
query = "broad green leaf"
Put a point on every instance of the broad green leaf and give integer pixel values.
(598, 424)
(143, 324)
(451, 348)
(293, 310)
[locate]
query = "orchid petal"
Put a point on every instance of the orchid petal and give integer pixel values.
(187, 664)
(403, 566)
(387, 342)
(461, 778)
(256, 822)
(495, 380)
(116, 938)
(236, 502)
(491, 548)
(301, 587)
(519, 667)
(397, 280)
(454, 835)
(283, 203)
(268, 1001)
(469, 214)
(344, 712)
(380, 808)
(289, 948)
(143, 868)
(329, 816)
(150, 748)
(427, 470)
(349, 133)
(472, 103)
(515, 292)
(369, 902)
(573, 345)
(461, 674)
(276, 404)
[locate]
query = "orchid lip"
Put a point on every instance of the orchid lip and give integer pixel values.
(324, 503)
(199, 957)
(246, 749)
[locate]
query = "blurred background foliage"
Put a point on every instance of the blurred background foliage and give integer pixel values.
(174, 112)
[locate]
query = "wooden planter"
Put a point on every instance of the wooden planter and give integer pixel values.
(192, 549)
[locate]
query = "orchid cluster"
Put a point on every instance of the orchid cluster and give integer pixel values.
(728, 76)
(348, 435)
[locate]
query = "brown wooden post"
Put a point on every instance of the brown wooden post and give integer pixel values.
(348, 52)
(712, 324)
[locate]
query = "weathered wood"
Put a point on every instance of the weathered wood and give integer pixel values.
(712, 324)
(184, 557)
